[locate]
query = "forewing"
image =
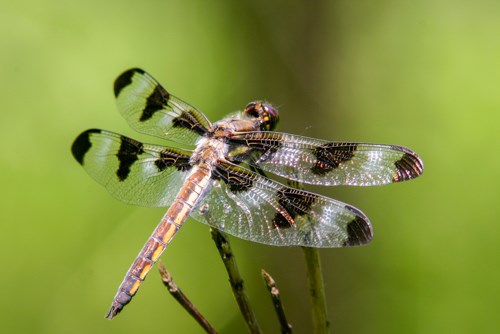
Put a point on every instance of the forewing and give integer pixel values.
(151, 109)
(320, 162)
(135, 173)
(252, 207)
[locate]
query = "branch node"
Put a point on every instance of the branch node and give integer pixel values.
(178, 295)
(286, 327)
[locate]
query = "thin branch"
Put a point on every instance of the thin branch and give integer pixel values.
(316, 290)
(181, 298)
(316, 286)
(236, 281)
(286, 327)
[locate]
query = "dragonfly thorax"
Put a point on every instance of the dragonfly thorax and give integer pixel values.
(256, 116)
(209, 151)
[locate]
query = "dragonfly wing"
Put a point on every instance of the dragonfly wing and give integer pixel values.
(252, 207)
(320, 162)
(133, 172)
(151, 109)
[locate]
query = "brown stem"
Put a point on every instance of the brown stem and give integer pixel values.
(236, 281)
(286, 327)
(181, 298)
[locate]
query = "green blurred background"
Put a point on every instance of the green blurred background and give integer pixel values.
(421, 74)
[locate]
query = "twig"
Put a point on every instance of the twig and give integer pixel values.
(316, 286)
(236, 281)
(286, 327)
(181, 298)
(316, 290)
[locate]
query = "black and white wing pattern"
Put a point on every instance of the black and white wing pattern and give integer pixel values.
(135, 173)
(151, 109)
(321, 162)
(255, 208)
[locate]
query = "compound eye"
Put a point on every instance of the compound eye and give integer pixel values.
(253, 109)
(270, 117)
(266, 113)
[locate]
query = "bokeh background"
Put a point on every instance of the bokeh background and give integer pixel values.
(423, 74)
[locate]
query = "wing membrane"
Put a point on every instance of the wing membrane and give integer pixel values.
(151, 109)
(132, 172)
(251, 207)
(320, 162)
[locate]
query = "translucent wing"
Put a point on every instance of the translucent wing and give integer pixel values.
(151, 109)
(320, 162)
(133, 172)
(252, 207)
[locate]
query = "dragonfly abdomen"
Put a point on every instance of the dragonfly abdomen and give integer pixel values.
(187, 198)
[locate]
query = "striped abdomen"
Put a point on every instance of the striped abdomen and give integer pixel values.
(189, 195)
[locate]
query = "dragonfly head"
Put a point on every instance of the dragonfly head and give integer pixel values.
(265, 113)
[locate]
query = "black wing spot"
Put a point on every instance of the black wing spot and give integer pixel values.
(237, 181)
(330, 155)
(408, 167)
(82, 145)
(281, 222)
(295, 202)
(170, 158)
(189, 120)
(156, 101)
(128, 154)
(125, 79)
(255, 150)
(359, 230)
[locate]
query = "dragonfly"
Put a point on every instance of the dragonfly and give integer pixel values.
(221, 180)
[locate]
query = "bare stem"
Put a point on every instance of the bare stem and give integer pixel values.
(316, 286)
(181, 298)
(236, 281)
(286, 327)
(316, 290)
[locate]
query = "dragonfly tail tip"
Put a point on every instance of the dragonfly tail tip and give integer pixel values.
(113, 311)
